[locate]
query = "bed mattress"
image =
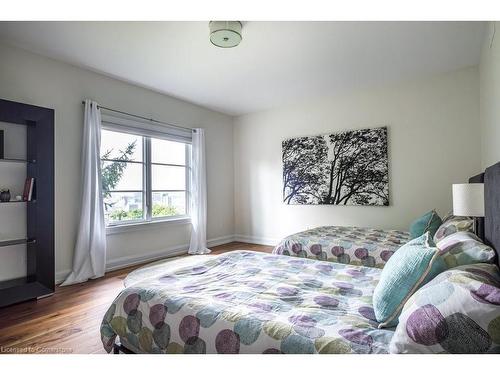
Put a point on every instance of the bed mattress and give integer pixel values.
(248, 302)
(349, 245)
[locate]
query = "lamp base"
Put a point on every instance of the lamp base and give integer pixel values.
(478, 227)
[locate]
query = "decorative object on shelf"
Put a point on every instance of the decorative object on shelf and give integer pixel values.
(225, 34)
(468, 200)
(5, 195)
(345, 168)
(19, 198)
(29, 187)
(1, 144)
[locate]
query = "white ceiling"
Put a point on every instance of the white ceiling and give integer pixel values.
(277, 63)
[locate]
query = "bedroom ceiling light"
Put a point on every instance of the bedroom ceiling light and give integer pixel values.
(225, 34)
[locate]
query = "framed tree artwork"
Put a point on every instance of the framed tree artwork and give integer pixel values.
(345, 168)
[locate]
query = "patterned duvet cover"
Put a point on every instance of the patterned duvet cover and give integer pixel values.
(249, 302)
(349, 245)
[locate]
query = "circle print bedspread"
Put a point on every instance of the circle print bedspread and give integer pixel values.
(248, 302)
(349, 245)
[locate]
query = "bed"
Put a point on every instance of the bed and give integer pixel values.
(249, 302)
(348, 245)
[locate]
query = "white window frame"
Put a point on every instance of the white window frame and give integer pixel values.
(122, 125)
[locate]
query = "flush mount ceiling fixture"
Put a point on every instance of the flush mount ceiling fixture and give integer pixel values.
(225, 34)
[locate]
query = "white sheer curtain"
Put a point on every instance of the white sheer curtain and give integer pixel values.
(89, 260)
(198, 243)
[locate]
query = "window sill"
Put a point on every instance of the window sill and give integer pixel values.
(145, 225)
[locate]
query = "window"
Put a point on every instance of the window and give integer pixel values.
(144, 178)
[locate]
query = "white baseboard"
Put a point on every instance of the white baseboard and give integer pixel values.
(256, 240)
(122, 262)
(220, 240)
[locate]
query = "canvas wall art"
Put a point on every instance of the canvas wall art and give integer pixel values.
(345, 168)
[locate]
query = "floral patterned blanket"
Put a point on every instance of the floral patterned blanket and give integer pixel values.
(249, 302)
(349, 245)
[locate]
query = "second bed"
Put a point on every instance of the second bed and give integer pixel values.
(348, 245)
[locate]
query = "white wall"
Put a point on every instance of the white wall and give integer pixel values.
(489, 71)
(30, 78)
(434, 141)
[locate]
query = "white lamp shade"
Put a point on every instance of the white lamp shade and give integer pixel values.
(468, 200)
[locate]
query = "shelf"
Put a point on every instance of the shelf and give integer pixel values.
(32, 201)
(16, 282)
(16, 242)
(14, 160)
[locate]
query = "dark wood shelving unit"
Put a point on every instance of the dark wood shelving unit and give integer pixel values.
(39, 241)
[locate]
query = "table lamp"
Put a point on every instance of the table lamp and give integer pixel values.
(468, 200)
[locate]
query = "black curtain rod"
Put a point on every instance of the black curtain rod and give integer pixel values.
(144, 118)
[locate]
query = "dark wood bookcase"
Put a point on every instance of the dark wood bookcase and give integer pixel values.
(39, 241)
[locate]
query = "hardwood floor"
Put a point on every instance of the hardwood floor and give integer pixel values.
(69, 321)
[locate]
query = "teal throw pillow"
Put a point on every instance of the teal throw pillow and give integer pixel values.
(428, 222)
(411, 266)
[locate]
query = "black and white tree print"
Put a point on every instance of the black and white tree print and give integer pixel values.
(347, 168)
